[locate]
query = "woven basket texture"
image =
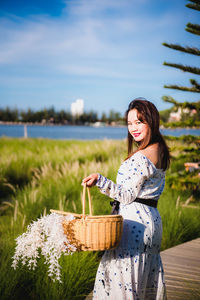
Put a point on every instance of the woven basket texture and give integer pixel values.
(92, 233)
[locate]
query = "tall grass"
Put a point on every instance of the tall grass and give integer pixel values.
(180, 224)
(37, 175)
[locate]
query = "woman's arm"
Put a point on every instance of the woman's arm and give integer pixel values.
(137, 172)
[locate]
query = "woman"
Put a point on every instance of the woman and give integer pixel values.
(134, 269)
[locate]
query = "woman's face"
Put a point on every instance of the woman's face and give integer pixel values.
(137, 129)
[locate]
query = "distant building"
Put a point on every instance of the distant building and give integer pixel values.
(77, 108)
(176, 116)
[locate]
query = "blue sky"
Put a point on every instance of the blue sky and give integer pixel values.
(106, 52)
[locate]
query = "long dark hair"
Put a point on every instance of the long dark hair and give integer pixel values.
(148, 113)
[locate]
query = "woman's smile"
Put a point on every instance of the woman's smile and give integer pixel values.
(135, 134)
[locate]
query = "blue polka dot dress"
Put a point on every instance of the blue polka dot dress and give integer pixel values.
(134, 269)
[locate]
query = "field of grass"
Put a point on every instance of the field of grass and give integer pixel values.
(38, 174)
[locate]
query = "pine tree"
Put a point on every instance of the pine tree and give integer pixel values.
(193, 29)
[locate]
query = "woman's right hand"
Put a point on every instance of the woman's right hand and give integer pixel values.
(90, 180)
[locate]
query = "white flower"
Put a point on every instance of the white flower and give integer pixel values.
(45, 234)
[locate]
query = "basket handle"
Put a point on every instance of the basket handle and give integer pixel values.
(83, 200)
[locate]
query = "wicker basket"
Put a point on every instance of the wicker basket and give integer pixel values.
(92, 233)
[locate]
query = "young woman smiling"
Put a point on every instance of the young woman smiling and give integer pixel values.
(133, 270)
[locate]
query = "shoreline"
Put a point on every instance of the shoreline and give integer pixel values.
(86, 125)
(59, 124)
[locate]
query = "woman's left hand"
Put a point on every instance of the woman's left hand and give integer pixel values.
(90, 180)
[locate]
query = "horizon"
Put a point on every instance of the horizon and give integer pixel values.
(68, 110)
(104, 52)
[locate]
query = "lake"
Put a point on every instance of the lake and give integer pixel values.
(80, 132)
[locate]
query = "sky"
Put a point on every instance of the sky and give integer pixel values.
(106, 52)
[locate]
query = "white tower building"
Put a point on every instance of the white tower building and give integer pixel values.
(77, 107)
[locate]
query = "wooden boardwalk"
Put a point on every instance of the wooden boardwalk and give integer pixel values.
(182, 271)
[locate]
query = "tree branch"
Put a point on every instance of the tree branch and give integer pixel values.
(183, 88)
(193, 6)
(189, 69)
(190, 50)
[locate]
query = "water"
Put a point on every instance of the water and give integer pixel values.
(80, 132)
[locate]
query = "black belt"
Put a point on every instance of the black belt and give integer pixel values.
(149, 202)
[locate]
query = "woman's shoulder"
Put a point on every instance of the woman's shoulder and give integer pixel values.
(152, 153)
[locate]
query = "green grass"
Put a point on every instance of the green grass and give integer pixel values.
(37, 175)
(180, 224)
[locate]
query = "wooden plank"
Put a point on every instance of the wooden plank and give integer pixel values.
(186, 253)
(171, 266)
(176, 274)
(181, 280)
(182, 270)
(181, 261)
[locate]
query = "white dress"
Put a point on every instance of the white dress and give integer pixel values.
(134, 269)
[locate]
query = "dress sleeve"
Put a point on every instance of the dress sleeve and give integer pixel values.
(138, 170)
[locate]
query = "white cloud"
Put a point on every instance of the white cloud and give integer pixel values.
(49, 41)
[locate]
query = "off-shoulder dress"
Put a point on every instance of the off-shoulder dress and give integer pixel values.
(133, 270)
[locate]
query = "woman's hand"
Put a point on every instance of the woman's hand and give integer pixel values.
(90, 180)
